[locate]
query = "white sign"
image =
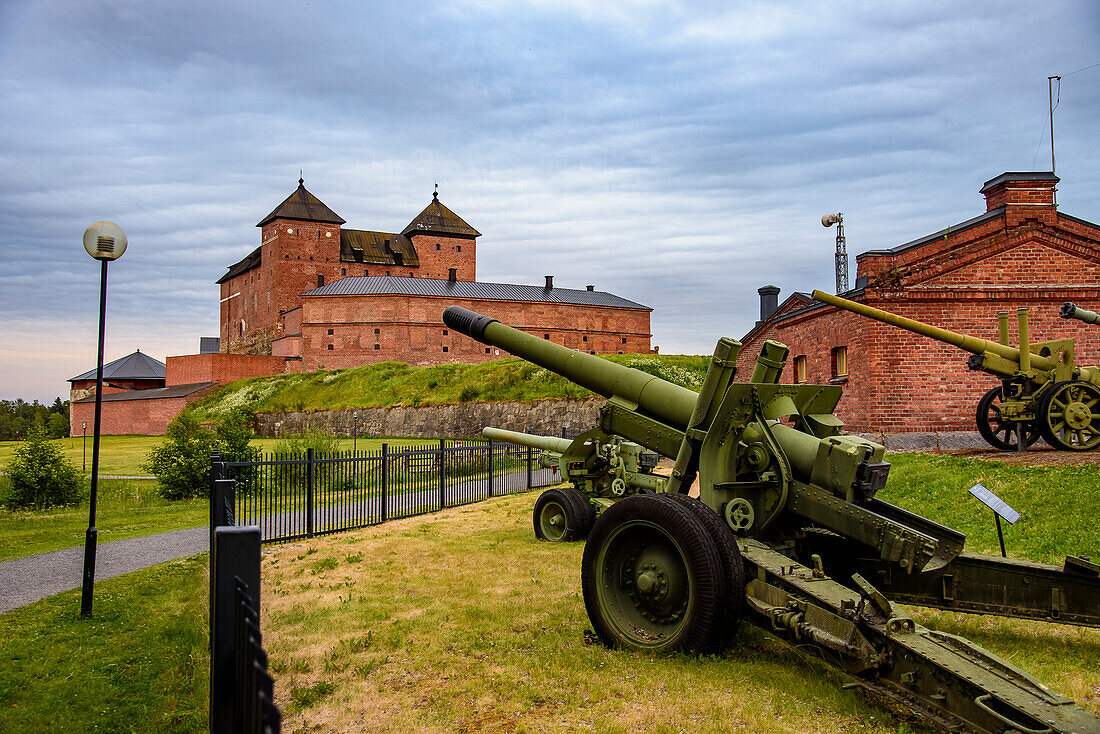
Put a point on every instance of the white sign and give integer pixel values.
(995, 503)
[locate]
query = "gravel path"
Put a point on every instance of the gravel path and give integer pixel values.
(31, 578)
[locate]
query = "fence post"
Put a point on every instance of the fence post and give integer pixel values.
(528, 467)
(442, 472)
(310, 478)
(235, 554)
(492, 467)
(385, 478)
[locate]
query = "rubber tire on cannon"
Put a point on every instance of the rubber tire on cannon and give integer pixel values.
(1069, 416)
(990, 425)
(563, 515)
(652, 577)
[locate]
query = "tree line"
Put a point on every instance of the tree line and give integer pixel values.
(18, 417)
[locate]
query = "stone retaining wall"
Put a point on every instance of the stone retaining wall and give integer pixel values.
(546, 417)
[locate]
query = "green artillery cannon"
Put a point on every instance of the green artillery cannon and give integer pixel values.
(1071, 311)
(665, 572)
(1042, 392)
(601, 472)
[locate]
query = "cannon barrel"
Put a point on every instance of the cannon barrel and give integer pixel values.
(652, 395)
(1072, 311)
(542, 443)
(971, 344)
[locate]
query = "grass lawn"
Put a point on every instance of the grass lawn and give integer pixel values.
(125, 508)
(461, 621)
(138, 664)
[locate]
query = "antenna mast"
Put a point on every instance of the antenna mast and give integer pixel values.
(1053, 104)
(841, 252)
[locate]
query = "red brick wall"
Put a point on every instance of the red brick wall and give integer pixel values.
(411, 329)
(900, 381)
(140, 417)
(220, 368)
(438, 254)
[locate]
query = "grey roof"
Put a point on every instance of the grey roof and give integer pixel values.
(303, 206)
(250, 261)
(136, 366)
(172, 391)
(381, 248)
(375, 285)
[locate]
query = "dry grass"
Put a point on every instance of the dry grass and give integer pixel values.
(461, 621)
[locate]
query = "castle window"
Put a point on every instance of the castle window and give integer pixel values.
(800, 369)
(486, 350)
(592, 351)
(444, 332)
(329, 347)
(365, 272)
(320, 278)
(437, 246)
(343, 271)
(328, 234)
(840, 361)
(377, 347)
(445, 349)
(584, 338)
(387, 272)
(376, 331)
(545, 336)
(289, 230)
(331, 332)
(624, 340)
(458, 248)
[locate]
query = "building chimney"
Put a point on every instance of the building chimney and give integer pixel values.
(590, 288)
(452, 274)
(1026, 195)
(549, 282)
(769, 301)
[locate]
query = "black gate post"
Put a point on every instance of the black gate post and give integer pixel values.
(235, 554)
(442, 473)
(385, 478)
(310, 478)
(528, 467)
(492, 467)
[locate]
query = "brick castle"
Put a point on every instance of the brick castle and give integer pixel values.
(1021, 252)
(317, 295)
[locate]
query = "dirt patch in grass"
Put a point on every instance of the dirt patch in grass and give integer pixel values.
(1035, 456)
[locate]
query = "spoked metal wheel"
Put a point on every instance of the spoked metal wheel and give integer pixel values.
(563, 515)
(1069, 416)
(652, 577)
(998, 432)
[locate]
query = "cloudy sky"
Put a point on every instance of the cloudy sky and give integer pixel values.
(679, 154)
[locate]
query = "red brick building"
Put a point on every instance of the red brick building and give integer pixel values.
(324, 296)
(1022, 252)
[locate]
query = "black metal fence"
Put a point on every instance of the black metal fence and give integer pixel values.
(291, 496)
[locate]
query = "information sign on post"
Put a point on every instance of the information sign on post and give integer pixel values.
(1000, 509)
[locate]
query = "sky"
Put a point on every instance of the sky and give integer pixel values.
(678, 154)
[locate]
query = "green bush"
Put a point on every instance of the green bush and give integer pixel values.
(40, 476)
(319, 441)
(182, 462)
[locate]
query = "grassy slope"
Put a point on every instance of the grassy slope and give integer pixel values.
(392, 383)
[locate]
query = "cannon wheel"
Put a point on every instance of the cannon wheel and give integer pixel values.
(562, 515)
(652, 577)
(1069, 416)
(733, 568)
(999, 433)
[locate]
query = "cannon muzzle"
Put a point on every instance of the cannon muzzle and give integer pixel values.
(1072, 311)
(653, 396)
(971, 344)
(542, 443)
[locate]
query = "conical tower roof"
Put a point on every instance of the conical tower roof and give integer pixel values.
(303, 206)
(136, 366)
(438, 219)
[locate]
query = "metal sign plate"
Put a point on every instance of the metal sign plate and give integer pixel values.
(995, 503)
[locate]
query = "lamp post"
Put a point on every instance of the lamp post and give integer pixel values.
(104, 241)
(84, 445)
(354, 429)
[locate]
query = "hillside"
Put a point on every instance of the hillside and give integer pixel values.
(396, 383)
